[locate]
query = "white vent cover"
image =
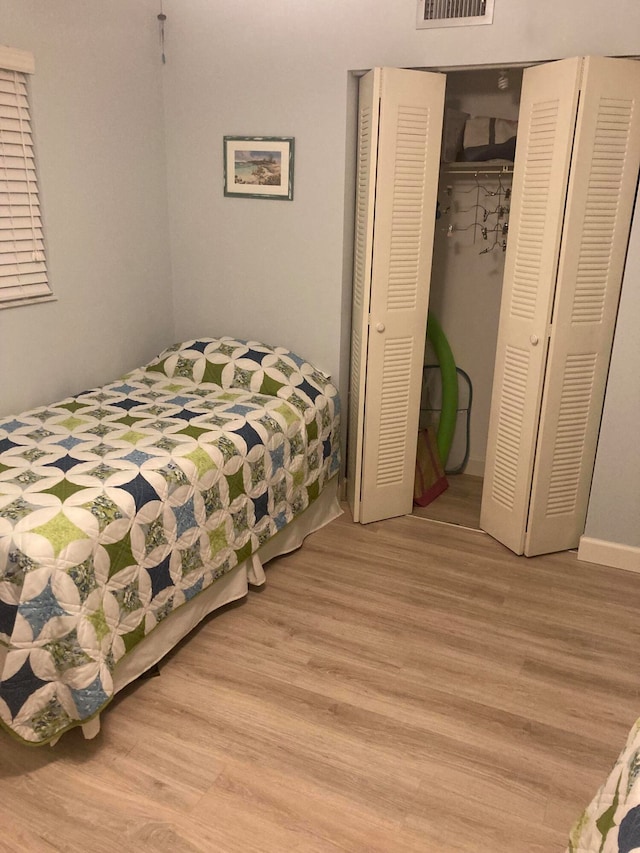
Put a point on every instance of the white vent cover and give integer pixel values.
(454, 13)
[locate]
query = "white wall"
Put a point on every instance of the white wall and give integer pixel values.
(614, 508)
(273, 269)
(97, 104)
(279, 271)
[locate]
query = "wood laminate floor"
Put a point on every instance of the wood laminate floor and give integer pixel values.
(458, 504)
(400, 686)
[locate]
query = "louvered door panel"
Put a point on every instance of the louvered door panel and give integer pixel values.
(545, 136)
(599, 207)
(571, 430)
(368, 118)
(407, 208)
(533, 203)
(410, 130)
(510, 426)
(394, 410)
(412, 133)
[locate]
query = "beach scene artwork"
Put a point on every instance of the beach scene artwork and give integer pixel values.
(260, 168)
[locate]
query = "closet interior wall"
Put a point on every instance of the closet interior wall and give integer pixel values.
(466, 285)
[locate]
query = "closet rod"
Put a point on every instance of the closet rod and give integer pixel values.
(474, 169)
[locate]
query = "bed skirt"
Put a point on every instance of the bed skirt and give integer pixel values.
(228, 588)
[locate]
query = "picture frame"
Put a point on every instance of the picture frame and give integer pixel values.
(258, 167)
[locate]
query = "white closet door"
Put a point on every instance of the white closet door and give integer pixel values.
(545, 137)
(367, 154)
(391, 287)
(600, 201)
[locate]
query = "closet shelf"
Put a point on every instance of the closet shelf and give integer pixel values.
(485, 167)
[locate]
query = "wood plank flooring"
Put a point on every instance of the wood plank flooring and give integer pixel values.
(400, 686)
(458, 504)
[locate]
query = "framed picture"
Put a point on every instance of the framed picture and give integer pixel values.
(258, 166)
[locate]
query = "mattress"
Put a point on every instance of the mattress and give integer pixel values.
(122, 505)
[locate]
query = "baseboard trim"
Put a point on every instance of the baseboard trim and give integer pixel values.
(609, 554)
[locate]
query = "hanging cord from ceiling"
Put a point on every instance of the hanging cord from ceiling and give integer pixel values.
(161, 20)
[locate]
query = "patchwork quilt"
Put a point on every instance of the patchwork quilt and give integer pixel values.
(611, 823)
(121, 504)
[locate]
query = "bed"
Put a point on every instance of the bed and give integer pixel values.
(611, 822)
(131, 511)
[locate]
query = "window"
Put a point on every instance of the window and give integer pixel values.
(23, 269)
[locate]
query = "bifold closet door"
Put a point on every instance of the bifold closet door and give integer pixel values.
(546, 124)
(574, 182)
(399, 136)
(602, 189)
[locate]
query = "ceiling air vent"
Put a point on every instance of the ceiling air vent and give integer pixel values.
(454, 13)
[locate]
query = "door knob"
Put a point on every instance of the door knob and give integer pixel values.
(534, 340)
(380, 327)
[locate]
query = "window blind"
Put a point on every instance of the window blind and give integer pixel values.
(23, 268)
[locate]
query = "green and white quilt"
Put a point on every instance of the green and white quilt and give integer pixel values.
(611, 822)
(119, 505)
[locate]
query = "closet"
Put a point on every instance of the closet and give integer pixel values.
(471, 235)
(573, 190)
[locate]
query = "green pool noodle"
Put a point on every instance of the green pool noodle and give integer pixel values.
(449, 378)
